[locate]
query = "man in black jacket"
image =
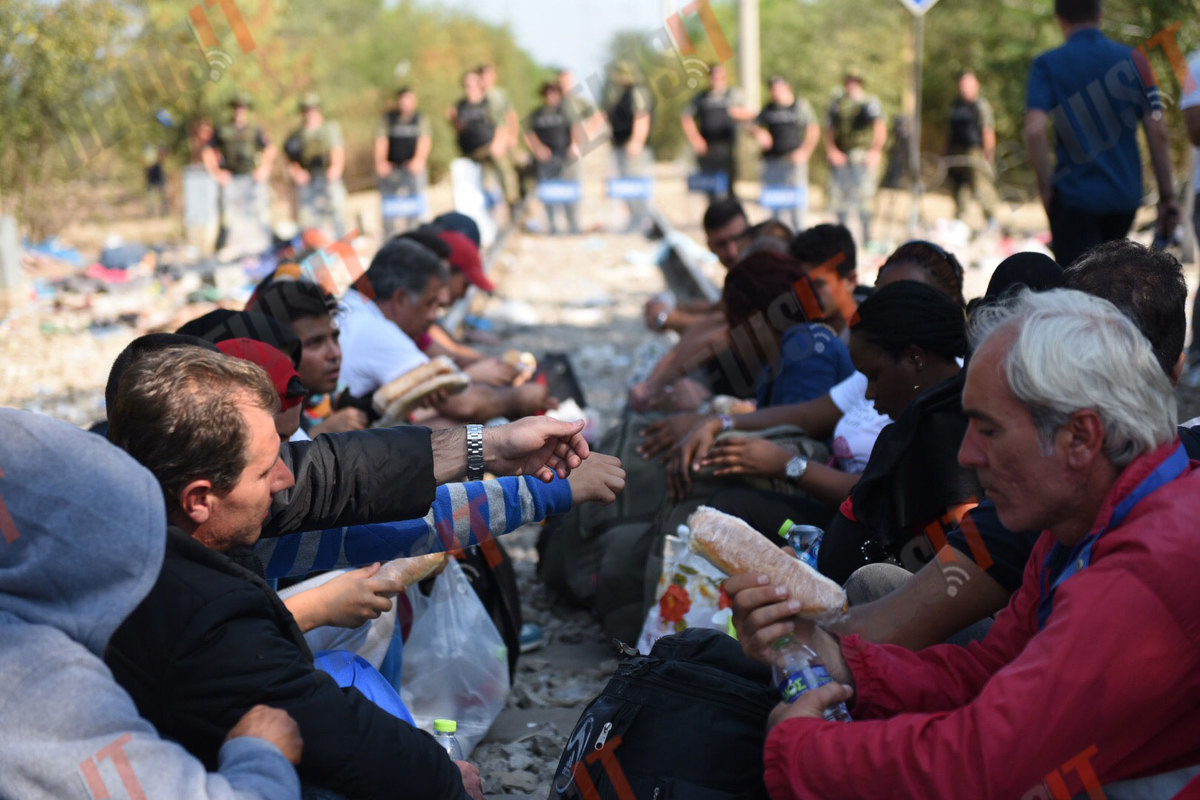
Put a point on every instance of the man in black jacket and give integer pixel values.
(212, 639)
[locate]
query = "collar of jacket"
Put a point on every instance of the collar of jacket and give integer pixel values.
(180, 545)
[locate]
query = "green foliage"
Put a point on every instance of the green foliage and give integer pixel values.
(82, 81)
(812, 42)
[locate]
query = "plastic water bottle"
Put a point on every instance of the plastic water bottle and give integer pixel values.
(798, 670)
(443, 731)
(804, 539)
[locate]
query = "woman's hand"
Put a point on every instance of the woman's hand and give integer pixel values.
(661, 436)
(747, 456)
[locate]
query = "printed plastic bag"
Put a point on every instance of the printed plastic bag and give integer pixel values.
(455, 663)
(689, 595)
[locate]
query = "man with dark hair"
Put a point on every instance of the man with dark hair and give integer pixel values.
(212, 638)
(309, 311)
(406, 285)
(710, 123)
(1096, 189)
(402, 148)
(727, 231)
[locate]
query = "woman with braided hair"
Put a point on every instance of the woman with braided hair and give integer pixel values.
(906, 340)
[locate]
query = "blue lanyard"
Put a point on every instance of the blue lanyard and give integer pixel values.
(1081, 554)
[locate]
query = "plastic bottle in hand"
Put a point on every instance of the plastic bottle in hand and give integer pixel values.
(798, 670)
(443, 731)
(804, 539)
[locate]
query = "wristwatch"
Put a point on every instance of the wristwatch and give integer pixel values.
(726, 422)
(796, 468)
(474, 452)
(660, 320)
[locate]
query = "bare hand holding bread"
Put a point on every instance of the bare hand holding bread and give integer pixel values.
(736, 548)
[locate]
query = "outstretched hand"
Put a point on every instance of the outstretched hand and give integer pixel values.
(598, 480)
(537, 446)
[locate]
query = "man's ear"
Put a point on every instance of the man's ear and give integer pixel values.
(1177, 370)
(1085, 438)
(196, 501)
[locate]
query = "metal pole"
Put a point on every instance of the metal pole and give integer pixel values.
(751, 69)
(915, 146)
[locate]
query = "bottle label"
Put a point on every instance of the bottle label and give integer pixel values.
(803, 680)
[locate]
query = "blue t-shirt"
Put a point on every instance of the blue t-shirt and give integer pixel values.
(1096, 92)
(812, 359)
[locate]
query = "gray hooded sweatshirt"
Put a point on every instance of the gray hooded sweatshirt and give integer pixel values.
(82, 536)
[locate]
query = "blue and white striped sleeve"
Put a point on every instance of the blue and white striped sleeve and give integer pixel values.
(463, 514)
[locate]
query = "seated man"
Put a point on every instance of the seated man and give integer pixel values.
(83, 544)
(390, 310)
(725, 230)
(1072, 433)
(211, 628)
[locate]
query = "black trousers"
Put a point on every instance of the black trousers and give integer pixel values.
(721, 157)
(1074, 232)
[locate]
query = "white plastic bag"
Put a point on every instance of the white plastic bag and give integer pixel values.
(455, 663)
(689, 595)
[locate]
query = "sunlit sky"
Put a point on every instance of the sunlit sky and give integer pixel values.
(572, 33)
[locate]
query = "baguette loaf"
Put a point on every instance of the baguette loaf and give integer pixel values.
(736, 548)
(386, 395)
(413, 569)
(399, 409)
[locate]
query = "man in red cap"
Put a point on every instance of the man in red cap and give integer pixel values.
(283, 376)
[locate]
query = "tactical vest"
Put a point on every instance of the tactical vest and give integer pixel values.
(239, 148)
(402, 137)
(316, 147)
(476, 127)
(966, 125)
(620, 118)
(553, 128)
(785, 126)
(853, 127)
(712, 117)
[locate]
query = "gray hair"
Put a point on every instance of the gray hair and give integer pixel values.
(1072, 351)
(404, 264)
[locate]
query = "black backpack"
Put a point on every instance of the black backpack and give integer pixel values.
(687, 721)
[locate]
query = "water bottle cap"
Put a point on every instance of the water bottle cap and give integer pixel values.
(445, 725)
(784, 528)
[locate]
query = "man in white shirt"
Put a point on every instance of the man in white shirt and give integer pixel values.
(388, 315)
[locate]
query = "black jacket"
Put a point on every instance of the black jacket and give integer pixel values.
(212, 639)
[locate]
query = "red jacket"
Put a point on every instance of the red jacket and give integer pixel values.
(1108, 690)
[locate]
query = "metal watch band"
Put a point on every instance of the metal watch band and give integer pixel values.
(726, 422)
(474, 452)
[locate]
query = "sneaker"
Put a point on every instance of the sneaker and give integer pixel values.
(532, 637)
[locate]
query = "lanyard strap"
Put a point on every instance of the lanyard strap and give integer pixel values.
(1080, 556)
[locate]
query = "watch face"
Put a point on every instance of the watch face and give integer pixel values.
(795, 467)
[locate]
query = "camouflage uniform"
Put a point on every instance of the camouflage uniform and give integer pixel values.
(321, 201)
(853, 185)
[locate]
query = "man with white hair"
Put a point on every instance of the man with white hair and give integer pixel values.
(1089, 677)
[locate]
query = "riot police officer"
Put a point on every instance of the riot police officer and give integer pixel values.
(855, 134)
(710, 123)
(628, 106)
(551, 136)
(318, 159)
(971, 149)
(239, 155)
(401, 153)
(787, 131)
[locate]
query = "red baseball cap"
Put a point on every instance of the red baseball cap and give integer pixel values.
(464, 257)
(283, 375)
